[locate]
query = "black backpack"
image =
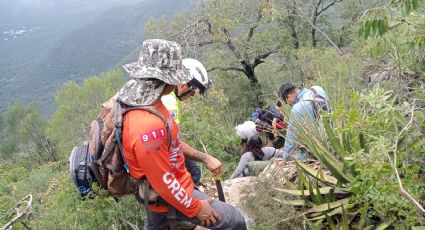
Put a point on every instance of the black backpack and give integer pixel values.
(79, 169)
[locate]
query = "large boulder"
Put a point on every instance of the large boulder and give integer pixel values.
(235, 190)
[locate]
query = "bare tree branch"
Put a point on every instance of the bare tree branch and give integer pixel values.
(20, 214)
(226, 69)
(316, 14)
(327, 7)
(265, 55)
(260, 58)
(205, 43)
(394, 161)
(251, 32)
(325, 35)
(259, 17)
(230, 43)
(189, 35)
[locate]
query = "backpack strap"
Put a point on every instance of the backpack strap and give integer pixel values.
(317, 97)
(274, 153)
(117, 129)
(157, 113)
(172, 213)
(118, 125)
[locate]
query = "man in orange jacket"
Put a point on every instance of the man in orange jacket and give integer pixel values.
(145, 141)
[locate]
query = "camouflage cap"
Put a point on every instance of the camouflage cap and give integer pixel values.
(159, 59)
(138, 92)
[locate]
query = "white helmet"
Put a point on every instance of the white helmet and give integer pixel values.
(199, 82)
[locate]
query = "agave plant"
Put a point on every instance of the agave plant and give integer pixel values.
(374, 131)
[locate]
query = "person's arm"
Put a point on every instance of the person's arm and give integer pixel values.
(274, 125)
(290, 142)
(279, 153)
(153, 157)
(243, 162)
(212, 163)
(289, 145)
(270, 152)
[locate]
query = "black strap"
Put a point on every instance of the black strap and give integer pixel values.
(107, 153)
(171, 215)
(117, 132)
(146, 200)
(316, 95)
(274, 153)
(172, 218)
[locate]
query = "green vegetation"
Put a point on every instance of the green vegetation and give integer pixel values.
(371, 143)
(374, 158)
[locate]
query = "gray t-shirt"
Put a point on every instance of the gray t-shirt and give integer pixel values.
(247, 157)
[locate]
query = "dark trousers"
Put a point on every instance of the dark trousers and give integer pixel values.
(194, 170)
(230, 217)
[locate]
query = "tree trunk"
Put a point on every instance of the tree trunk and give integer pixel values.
(314, 22)
(313, 30)
(250, 73)
(294, 34)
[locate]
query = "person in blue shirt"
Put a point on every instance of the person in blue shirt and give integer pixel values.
(302, 112)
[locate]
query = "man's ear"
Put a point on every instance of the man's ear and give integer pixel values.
(182, 88)
(168, 89)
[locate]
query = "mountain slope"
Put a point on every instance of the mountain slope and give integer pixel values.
(32, 70)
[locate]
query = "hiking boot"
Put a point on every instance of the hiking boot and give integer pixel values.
(186, 225)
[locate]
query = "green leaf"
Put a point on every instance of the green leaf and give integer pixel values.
(291, 202)
(385, 224)
(333, 139)
(346, 139)
(330, 222)
(319, 195)
(323, 216)
(363, 215)
(356, 143)
(418, 228)
(361, 29)
(345, 225)
(302, 181)
(417, 143)
(336, 169)
(327, 206)
(415, 4)
(313, 172)
(314, 197)
(367, 28)
(323, 190)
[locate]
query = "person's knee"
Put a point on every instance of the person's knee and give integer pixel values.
(239, 222)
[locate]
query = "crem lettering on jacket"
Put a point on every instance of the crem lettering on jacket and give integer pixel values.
(176, 189)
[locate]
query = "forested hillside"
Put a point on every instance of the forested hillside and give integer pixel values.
(367, 55)
(44, 43)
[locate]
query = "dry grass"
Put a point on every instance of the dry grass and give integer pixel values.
(268, 213)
